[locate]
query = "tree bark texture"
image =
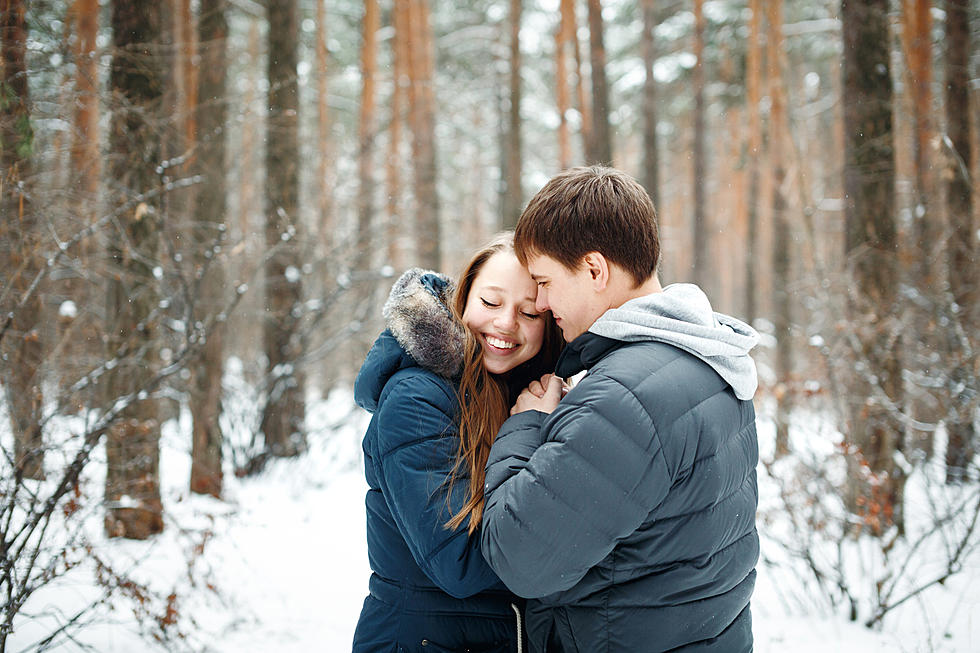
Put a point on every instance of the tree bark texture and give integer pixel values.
(601, 132)
(366, 131)
(209, 230)
(753, 96)
(21, 350)
(918, 39)
(701, 236)
(284, 413)
(581, 93)
(651, 165)
(563, 42)
(322, 184)
(782, 241)
(136, 80)
(393, 160)
(513, 196)
(963, 275)
(422, 101)
(80, 337)
(871, 251)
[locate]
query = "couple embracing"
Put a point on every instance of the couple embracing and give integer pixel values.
(507, 511)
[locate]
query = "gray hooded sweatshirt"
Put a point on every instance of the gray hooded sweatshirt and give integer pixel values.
(681, 315)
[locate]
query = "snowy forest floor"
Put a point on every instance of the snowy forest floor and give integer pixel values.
(281, 565)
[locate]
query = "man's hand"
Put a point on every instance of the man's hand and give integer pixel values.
(542, 395)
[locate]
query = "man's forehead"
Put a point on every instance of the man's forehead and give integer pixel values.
(541, 265)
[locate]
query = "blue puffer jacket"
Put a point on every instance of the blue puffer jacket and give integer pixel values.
(430, 590)
(627, 515)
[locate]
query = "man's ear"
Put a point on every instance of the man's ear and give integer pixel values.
(597, 267)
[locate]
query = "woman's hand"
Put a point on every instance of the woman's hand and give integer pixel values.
(542, 395)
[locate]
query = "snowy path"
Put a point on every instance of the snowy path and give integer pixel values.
(284, 570)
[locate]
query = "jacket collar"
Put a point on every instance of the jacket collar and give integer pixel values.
(584, 352)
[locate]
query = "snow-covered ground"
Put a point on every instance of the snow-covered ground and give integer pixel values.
(280, 565)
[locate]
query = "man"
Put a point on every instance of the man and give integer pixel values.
(625, 511)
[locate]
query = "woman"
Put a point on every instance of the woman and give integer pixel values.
(440, 381)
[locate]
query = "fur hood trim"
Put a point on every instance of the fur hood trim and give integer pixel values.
(417, 313)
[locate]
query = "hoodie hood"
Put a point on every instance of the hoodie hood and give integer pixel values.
(681, 316)
(421, 332)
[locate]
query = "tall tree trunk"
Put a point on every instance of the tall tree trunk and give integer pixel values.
(782, 242)
(702, 272)
(927, 269)
(513, 196)
(284, 414)
(393, 160)
(601, 133)
(20, 304)
(136, 78)
(581, 94)
(188, 76)
(563, 41)
(209, 223)
(366, 132)
(651, 166)
(871, 250)
(918, 25)
(963, 275)
(753, 96)
(427, 230)
(250, 134)
(323, 186)
(84, 342)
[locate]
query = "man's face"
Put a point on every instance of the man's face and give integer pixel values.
(568, 294)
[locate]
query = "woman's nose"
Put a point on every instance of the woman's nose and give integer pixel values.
(505, 321)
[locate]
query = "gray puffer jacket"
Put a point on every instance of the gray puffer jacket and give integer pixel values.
(627, 515)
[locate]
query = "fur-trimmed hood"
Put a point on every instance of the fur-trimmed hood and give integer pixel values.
(417, 314)
(421, 331)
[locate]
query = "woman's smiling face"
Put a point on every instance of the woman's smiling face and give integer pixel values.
(500, 312)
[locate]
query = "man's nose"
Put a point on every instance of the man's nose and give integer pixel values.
(541, 302)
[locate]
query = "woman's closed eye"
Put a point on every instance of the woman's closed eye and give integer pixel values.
(489, 304)
(530, 316)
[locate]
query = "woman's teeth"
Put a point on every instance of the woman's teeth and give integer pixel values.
(500, 344)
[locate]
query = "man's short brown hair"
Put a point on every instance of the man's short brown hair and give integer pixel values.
(591, 209)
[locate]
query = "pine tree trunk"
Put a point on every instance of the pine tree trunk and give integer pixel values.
(21, 349)
(927, 246)
(132, 486)
(209, 220)
(651, 166)
(563, 41)
(963, 276)
(782, 241)
(601, 134)
(581, 95)
(919, 25)
(82, 335)
(393, 160)
(427, 230)
(701, 272)
(871, 250)
(284, 414)
(513, 196)
(753, 93)
(321, 183)
(366, 132)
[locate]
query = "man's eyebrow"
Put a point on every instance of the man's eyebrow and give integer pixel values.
(538, 276)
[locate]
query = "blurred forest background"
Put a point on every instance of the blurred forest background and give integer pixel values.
(189, 183)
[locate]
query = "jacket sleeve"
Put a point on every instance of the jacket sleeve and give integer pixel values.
(416, 424)
(563, 489)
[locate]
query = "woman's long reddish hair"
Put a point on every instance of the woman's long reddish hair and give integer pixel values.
(484, 398)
